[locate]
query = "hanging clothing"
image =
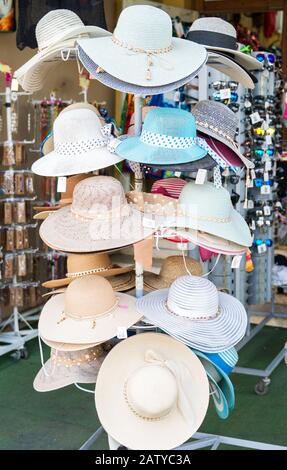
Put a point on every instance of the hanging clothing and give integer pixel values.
(91, 13)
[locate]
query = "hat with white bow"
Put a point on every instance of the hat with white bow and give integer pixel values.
(81, 144)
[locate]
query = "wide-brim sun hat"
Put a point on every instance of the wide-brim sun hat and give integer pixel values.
(157, 387)
(217, 121)
(230, 68)
(142, 50)
(193, 311)
(205, 163)
(67, 368)
(218, 35)
(88, 312)
(125, 87)
(57, 31)
(81, 145)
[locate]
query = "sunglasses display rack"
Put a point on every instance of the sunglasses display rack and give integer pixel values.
(19, 292)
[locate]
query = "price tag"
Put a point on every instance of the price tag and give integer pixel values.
(265, 189)
(176, 97)
(122, 332)
(225, 93)
(201, 176)
(268, 139)
(250, 183)
(253, 225)
(247, 104)
(268, 165)
(266, 176)
(14, 84)
(250, 204)
(255, 117)
(262, 248)
(253, 174)
(177, 174)
(267, 210)
(61, 184)
(113, 143)
(236, 262)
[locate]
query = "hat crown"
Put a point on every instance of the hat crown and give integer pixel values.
(171, 122)
(151, 391)
(217, 117)
(85, 262)
(214, 24)
(144, 27)
(76, 126)
(171, 186)
(96, 195)
(55, 23)
(193, 297)
(174, 266)
(206, 202)
(89, 296)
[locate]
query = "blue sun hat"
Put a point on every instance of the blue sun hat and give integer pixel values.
(168, 137)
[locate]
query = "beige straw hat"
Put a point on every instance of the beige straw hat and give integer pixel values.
(67, 346)
(171, 268)
(94, 263)
(152, 392)
(89, 311)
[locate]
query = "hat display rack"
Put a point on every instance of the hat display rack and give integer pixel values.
(80, 317)
(19, 291)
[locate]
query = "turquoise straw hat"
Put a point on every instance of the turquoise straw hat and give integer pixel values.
(168, 137)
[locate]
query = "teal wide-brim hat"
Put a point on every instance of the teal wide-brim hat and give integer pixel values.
(168, 137)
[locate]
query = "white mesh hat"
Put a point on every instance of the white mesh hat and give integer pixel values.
(57, 31)
(142, 50)
(80, 145)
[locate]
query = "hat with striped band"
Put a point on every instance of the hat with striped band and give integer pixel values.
(57, 31)
(168, 136)
(217, 121)
(193, 311)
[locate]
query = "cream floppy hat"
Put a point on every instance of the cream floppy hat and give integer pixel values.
(80, 145)
(57, 31)
(142, 50)
(88, 312)
(157, 387)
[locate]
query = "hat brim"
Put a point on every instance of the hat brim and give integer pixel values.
(123, 280)
(212, 335)
(228, 154)
(81, 332)
(64, 232)
(35, 72)
(244, 60)
(206, 163)
(153, 281)
(135, 150)
(168, 67)
(54, 164)
(229, 67)
(126, 87)
(138, 433)
(60, 346)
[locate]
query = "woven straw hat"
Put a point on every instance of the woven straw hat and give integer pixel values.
(218, 35)
(88, 312)
(99, 219)
(57, 31)
(142, 50)
(171, 268)
(95, 263)
(157, 387)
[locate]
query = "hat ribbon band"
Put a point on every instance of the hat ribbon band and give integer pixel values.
(217, 130)
(67, 148)
(115, 213)
(213, 39)
(89, 271)
(86, 358)
(174, 309)
(150, 53)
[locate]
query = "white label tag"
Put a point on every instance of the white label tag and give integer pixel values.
(262, 248)
(268, 139)
(268, 165)
(266, 176)
(265, 73)
(182, 246)
(176, 97)
(255, 117)
(265, 189)
(253, 225)
(61, 184)
(14, 84)
(253, 174)
(177, 174)
(201, 176)
(113, 143)
(250, 204)
(122, 332)
(236, 262)
(266, 210)
(250, 183)
(225, 93)
(278, 204)
(148, 222)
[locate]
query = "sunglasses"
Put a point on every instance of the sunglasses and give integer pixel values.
(268, 242)
(260, 182)
(260, 152)
(260, 131)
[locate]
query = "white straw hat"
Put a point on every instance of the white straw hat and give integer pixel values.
(229, 67)
(80, 145)
(152, 392)
(57, 31)
(142, 50)
(218, 35)
(193, 311)
(88, 312)
(99, 219)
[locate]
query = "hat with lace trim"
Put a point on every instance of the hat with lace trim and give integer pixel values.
(56, 35)
(155, 385)
(143, 52)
